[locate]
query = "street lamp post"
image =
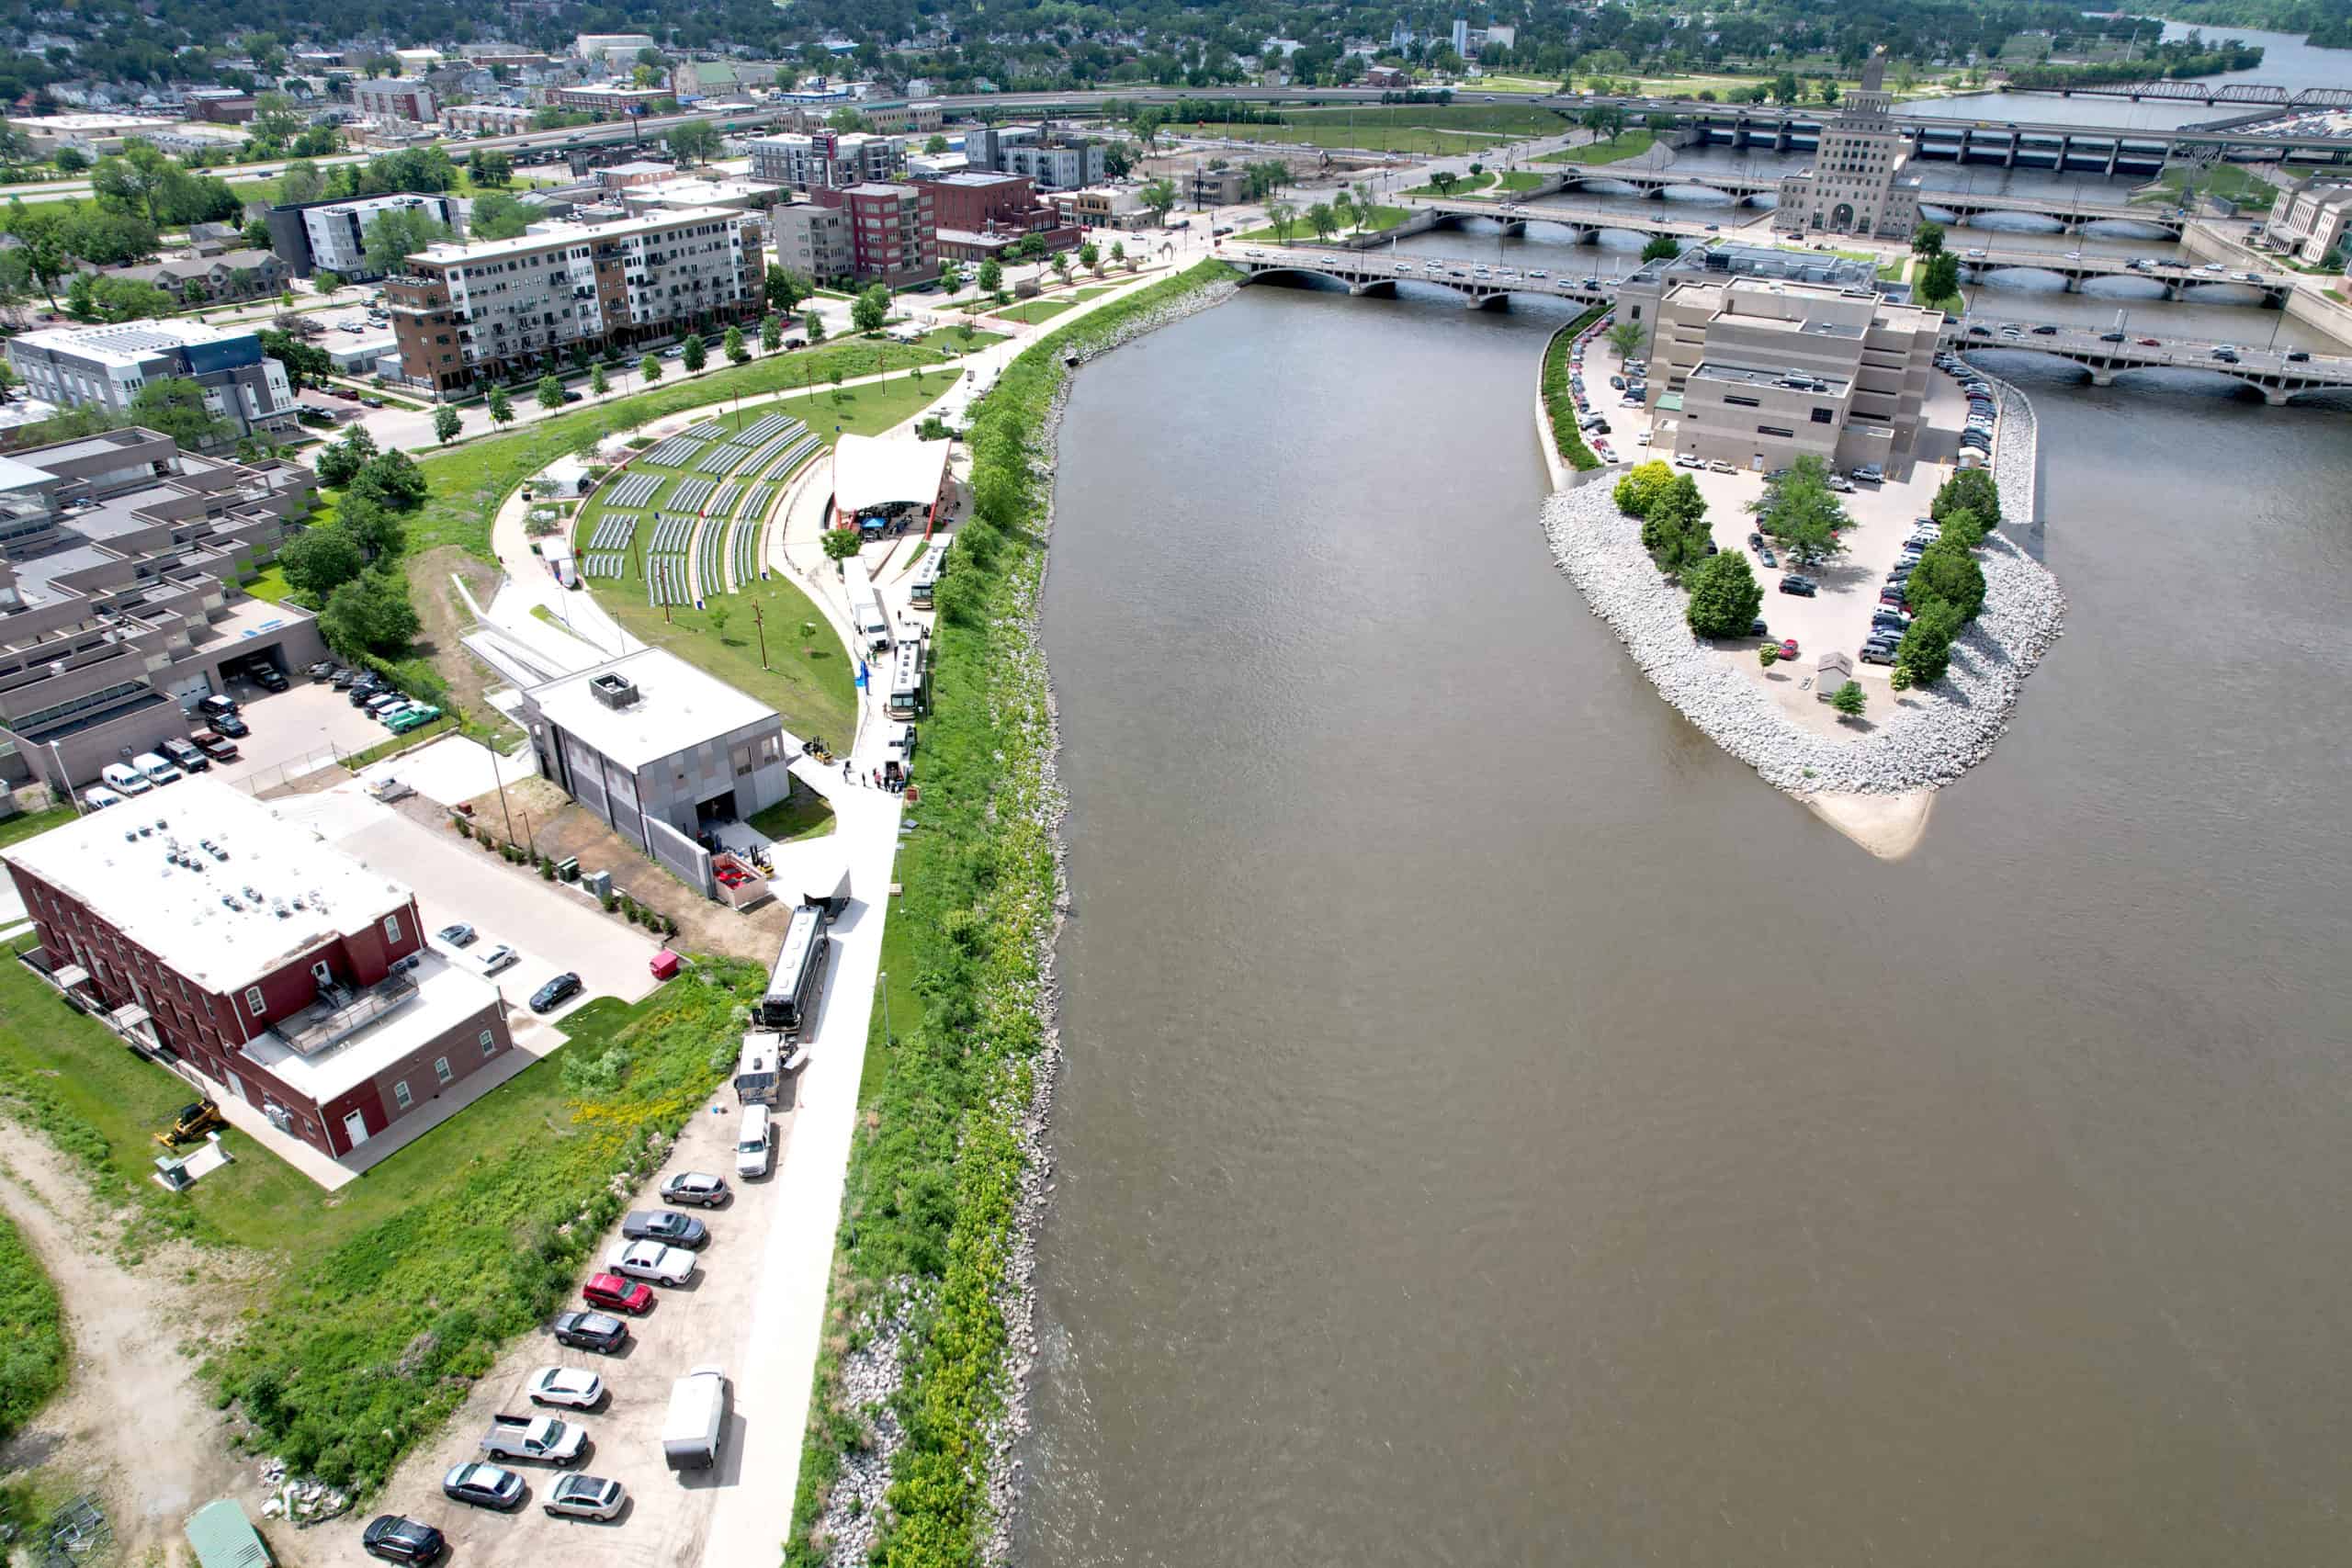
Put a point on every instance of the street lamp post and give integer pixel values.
(882, 981)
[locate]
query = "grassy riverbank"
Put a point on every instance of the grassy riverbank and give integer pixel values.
(1559, 398)
(934, 1175)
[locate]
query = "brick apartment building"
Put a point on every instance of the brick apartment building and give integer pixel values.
(893, 232)
(981, 215)
(611, 101)
(465, 312)
(256, 959)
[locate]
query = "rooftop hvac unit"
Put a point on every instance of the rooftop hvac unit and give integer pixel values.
(614, 691)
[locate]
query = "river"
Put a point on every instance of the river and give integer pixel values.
(1496, 1128)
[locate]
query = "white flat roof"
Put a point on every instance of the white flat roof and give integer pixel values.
(561, 231)
(678, 707)
(178, 913)
(446, 997)
(124, 344)
(873, 471)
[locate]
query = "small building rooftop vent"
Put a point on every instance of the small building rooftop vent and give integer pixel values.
(614, 691)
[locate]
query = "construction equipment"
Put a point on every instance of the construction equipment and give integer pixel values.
(191, 1123)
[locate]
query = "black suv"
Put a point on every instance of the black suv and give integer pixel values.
(600, 1332)
(396, 1539)
(1803, 587)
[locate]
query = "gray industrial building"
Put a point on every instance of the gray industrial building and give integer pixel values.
(659, 750)
(106, 367)
(120, 556)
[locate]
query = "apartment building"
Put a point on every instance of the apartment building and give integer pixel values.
(893, 232)
(272, 967)
(1858, 181)
(393, 102)
(821, 160)
(1050, 160)
(904, 119)
(811, 240)
(105, 366)
(120, 561)
(332, 235)
(608, 102)
(495, 307)
(1758, 372)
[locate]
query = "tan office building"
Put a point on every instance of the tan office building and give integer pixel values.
(1759, 373)
(1859, 182)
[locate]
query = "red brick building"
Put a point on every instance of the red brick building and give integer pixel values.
(893, 232)
(980, 213)
(256, 960)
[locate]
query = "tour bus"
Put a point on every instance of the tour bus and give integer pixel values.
(926, 579)
(790, 1004)
(911, 679)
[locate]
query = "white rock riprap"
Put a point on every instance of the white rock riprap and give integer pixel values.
(870, 1378)
(1926, 744)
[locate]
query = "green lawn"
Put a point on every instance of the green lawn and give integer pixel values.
(34, 1353)
(468, 481)
(2250, 191)
(1629, 144)
(270, 584)
(29, 824)
(1035, 310)
(1083, 295)
(1381, 218)
(1522, 180)
(807, 814)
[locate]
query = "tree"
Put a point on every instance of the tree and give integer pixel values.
(550, 393)
(1089, 257)
(1626, 338)
(719, 615)
(339, 462)
(812, 326)
(786, 289)
(1849, 699)
(1961, 527)
(694, 352)
(1947, 573)
(1641, 487)
(326, 281)
(316, 561)
(1157, 197)
(695, 141)
(650, 367)
(490, 168)
(447, 422)
(1675, 529)
(397, 233)
(501, 407)
(1118, 251)
(305, 365)
(1766, 653)
(1939, 279)
(951, 278)
(733, 346)
(71, 160)
(1970, 489)
(392, 480)
(93, 297)
(1445, 180)
(1928, 238)
(1801, 511)
(497, 215)
(1322, 220)
(1282, 217)
(1365, 210)
(1925, 652)
(370, 613)
(770, 332)
(1785, 88)
(871, 309)
(596, 382)
(1661, 247)
(1725, 596)
(1829, 89)
(991, 277)
(935, 145)
(841, 543)
(175, 407)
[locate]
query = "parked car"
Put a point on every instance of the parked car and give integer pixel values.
(216, 747)
(586, 1498)
(459, 935)
(2045, 329)
(1719, 467)
(1764, 557)
(539, 1438)
(484, 1486)
(215, 707)
(397, 1539)
(556, 992)
(662, 1226)
(416, 715)
(186, 756)
(621, 1296)
(1788, 648)
(568, 1387)
(591, 1331)
(269, 678)
(651, 1260)
(694, 1187)
(98, 798)
(342, 680)
(1878, 652)
(1797, 583)
(497, 960)
(1840, 483)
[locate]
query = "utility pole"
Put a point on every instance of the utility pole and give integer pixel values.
(759, 624)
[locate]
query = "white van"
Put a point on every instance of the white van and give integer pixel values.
(753, 1142)
(124, 779)
(157, 767)
(98, 799)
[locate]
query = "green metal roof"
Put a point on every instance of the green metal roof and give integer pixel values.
(224, 1538)
(1670, 402)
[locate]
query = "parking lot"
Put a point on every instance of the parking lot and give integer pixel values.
(705, 1322)
(308, 722)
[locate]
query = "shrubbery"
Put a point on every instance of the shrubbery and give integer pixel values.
(1559, 396)
(33, 1351)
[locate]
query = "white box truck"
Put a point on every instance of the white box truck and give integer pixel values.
(865, 610)
(696, 1426)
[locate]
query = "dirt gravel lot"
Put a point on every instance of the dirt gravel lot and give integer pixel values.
(705, 1322)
